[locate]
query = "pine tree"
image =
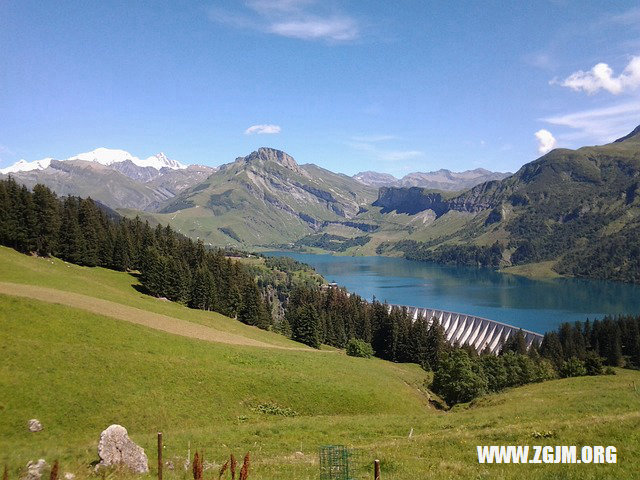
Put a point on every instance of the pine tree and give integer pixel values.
(47, 220)
(200, 289)
(384, 339)
(122, 248)
(304, 323)
(252, 310)
(436, 345)
(515, 343)
(72, 243)
(551, 348)
(89, 222)
(26, 227)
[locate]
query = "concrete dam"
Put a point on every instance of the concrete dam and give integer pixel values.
(471, 330)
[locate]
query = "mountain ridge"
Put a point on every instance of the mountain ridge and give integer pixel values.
(442, 179)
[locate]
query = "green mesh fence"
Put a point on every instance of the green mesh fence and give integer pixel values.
(334, 462)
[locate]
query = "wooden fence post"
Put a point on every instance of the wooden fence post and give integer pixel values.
(159, 455)
(376, 470)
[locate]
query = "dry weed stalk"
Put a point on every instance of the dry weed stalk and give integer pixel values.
(223, 469)
(5, 474)
(244, 471)
(234, 464)
(197, 466)
(54, 471)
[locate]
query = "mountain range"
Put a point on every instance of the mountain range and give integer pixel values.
(572, 212)
(442, 179)
(113, 177)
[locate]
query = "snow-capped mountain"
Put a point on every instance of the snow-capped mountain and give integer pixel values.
(108, 156)
(24, 166)
(103, 156)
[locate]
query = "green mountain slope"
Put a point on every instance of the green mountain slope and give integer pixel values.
(579, 208)
(78, 372)
(265, 198)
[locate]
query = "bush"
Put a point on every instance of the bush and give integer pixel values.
(609, 371)
(573, 367)
(359, 348)
(593, 364)
(458, 378)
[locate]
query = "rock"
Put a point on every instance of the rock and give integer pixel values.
(69, 476)
(169, 464)
(34, 470)
(35, 425)
(116, 448)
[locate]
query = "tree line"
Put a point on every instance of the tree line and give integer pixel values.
(171, 265)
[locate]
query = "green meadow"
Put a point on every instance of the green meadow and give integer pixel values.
(78, 371)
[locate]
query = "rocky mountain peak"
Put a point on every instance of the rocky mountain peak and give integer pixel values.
(266, 154)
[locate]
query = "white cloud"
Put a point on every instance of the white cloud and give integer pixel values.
(301, 19)
(339, 29)
(601, 77)
(600, 124)
(262, 129)
(546, 141)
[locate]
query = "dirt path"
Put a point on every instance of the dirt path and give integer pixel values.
(156, 321)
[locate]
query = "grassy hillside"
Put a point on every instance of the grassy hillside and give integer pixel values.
(78, 371)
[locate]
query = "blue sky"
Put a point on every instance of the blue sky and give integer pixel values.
(377, 85)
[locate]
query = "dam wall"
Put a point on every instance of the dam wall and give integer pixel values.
(465, 329)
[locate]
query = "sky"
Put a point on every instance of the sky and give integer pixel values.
(394, 87)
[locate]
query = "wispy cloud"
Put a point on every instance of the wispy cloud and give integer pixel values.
(301, 19)
(262, 129)
(370, 145)
(373, 138)
(600, 124)
(601, 77)
(542, 60)
(546, 141)
(340, 29)
(629, 17)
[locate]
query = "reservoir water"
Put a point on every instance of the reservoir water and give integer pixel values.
(536, 305)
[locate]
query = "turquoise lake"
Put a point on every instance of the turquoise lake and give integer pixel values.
(536, 305)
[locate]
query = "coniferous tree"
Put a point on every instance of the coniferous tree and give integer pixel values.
(515, 343)
(383, 341)
(122, 248)
(47, 220)
(305, 325)
(551, 348)
(436, 343)
(252, 310)
(72, 241)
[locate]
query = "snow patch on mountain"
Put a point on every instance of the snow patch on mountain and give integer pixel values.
(109, 156)
(103, 156)
(24, 166)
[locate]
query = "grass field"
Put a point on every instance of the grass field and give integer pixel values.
(78, 370)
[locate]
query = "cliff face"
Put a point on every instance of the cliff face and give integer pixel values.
(410, 200)
(414, 200)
